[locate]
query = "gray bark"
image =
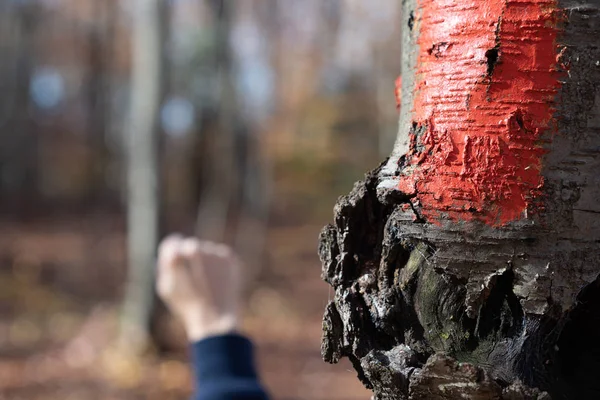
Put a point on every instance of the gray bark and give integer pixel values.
(143, 172)
(465, 310)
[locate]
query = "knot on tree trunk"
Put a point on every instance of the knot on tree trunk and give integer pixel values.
(418, 321)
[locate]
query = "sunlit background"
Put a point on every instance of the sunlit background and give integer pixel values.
(265, 112)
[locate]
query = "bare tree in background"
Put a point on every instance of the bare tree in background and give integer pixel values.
(219, 174)
(467, 265)
(235, 174)
(19, 150)
(149, 31)
(100, 34)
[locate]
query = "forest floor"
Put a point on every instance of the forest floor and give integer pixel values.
(60, 283)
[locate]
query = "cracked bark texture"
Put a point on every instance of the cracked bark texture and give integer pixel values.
(455, 309)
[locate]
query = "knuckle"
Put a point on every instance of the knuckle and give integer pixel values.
(223, 250)
(190, 246)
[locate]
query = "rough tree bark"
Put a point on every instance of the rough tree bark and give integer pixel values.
(466, 265)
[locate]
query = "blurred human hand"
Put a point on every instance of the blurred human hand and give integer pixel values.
(200, 282)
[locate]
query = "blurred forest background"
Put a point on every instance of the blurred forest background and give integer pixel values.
(240, 121)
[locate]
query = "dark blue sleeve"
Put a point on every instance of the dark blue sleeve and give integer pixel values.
(224, 369)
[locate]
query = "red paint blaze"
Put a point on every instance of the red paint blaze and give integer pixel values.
(486, 81)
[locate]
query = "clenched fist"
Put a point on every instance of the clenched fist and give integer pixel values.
(200, 282)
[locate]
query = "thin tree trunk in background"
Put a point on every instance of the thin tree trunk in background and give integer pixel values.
(467, 265)
(219, 174)
(253, 165)
(100, 47)
(9, 69)
(253, 217)
(19, 156)
(143, 171)
(234, 203)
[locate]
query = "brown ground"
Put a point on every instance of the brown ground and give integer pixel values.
(59, 284)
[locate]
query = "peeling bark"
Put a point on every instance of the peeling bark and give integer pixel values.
(431, 305)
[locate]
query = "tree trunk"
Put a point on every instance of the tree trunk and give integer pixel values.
(143, 171)
(466, 266)
(101, 53)
(19, 170)
(219, 175)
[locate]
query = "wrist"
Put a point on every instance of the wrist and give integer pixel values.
(201, 328)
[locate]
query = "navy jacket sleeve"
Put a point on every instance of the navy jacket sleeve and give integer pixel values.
(224, 369)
